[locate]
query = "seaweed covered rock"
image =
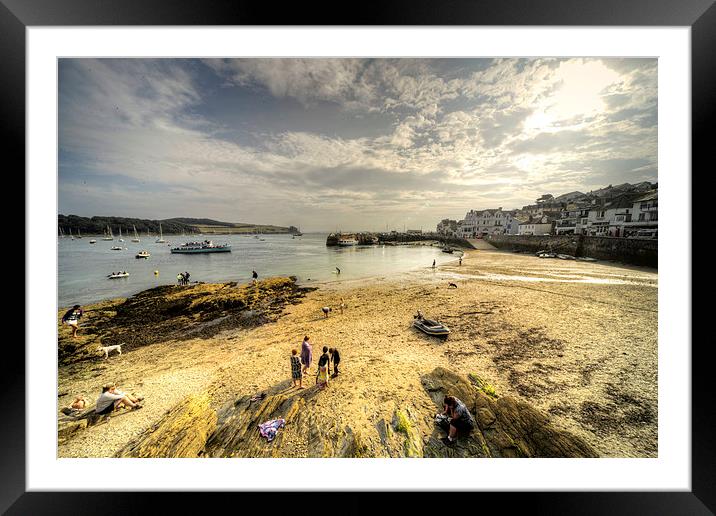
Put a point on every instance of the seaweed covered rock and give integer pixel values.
(506, 426)
(176, 312)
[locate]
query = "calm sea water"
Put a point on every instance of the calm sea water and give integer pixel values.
(83, 267)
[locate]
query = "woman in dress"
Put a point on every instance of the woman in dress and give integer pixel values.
(306, 354)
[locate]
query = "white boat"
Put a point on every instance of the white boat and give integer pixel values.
(71, 237)
(93, 241)
(62, 233)
(120, 234)
(347, 240)
(116, 275)
(160, 240)
(79, 235)
(136, 236)
(142, 254)
(108, 234)
(116, 248)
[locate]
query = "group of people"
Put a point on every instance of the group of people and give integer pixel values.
(301, 364)
(109, 400)
(183, 278)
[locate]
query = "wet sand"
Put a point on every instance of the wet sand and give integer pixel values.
(576, 339)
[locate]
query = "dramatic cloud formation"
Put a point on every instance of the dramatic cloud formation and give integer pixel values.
(347, 144)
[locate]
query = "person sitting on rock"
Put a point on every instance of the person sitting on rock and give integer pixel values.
(460, 419)
(112, 398)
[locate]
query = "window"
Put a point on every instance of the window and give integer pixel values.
(641, 217)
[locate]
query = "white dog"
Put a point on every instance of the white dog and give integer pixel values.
(106, 350)
(343, 305)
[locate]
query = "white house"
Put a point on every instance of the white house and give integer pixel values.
(536, 226)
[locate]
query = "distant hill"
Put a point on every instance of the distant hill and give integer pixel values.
(98, 225)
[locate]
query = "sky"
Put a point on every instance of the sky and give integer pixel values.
(347, 144)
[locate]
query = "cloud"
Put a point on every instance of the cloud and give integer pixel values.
(461, 136)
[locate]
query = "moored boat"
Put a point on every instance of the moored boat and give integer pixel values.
(116, 248)
(207, 246)
(429, 326)
(116, 275)
(347, 240)
(142, 254)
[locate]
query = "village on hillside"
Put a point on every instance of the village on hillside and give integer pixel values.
(626, 210)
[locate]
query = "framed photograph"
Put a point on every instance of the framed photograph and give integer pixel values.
(295, 255)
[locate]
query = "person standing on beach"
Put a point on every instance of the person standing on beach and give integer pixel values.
(72, 318)
(255, 276)
(335, 359)
(306, 354)
(460, 261)
(433, 264)
(324, 364)
(186, 278)
(296, 373)
(180, 278)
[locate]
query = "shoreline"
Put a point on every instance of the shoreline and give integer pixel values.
(551, 346)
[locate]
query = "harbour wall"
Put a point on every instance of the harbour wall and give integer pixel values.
(635, 251)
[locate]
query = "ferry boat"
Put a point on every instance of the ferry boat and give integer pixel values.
(347, 240)
(207, 246)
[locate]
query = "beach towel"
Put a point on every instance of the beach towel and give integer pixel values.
(269, 429)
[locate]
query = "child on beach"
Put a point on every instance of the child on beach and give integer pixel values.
(336, 359)
(323, 365)
(296, 373)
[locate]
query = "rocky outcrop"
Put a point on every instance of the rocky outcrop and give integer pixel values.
(176, 312)
(182, 432)
(507, 427)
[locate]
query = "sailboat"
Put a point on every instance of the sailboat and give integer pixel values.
(108, 234)
(136, 236)
(79, 235)
(120, 234)
(71, 237)
(160, 240)
(62, 233)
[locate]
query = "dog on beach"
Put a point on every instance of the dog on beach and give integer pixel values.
(452, 285)
(343, 305)
(326, 310)
(107, 349)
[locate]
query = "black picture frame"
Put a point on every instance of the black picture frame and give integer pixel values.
(700, 15)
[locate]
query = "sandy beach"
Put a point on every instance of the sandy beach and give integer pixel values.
(578, 340)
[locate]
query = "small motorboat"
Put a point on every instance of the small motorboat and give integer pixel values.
(116, 248)
(429, 326)
(586, 259)
(565, 257)
(93, 241)
(116, 275)
(448, 250)
(142, 254)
